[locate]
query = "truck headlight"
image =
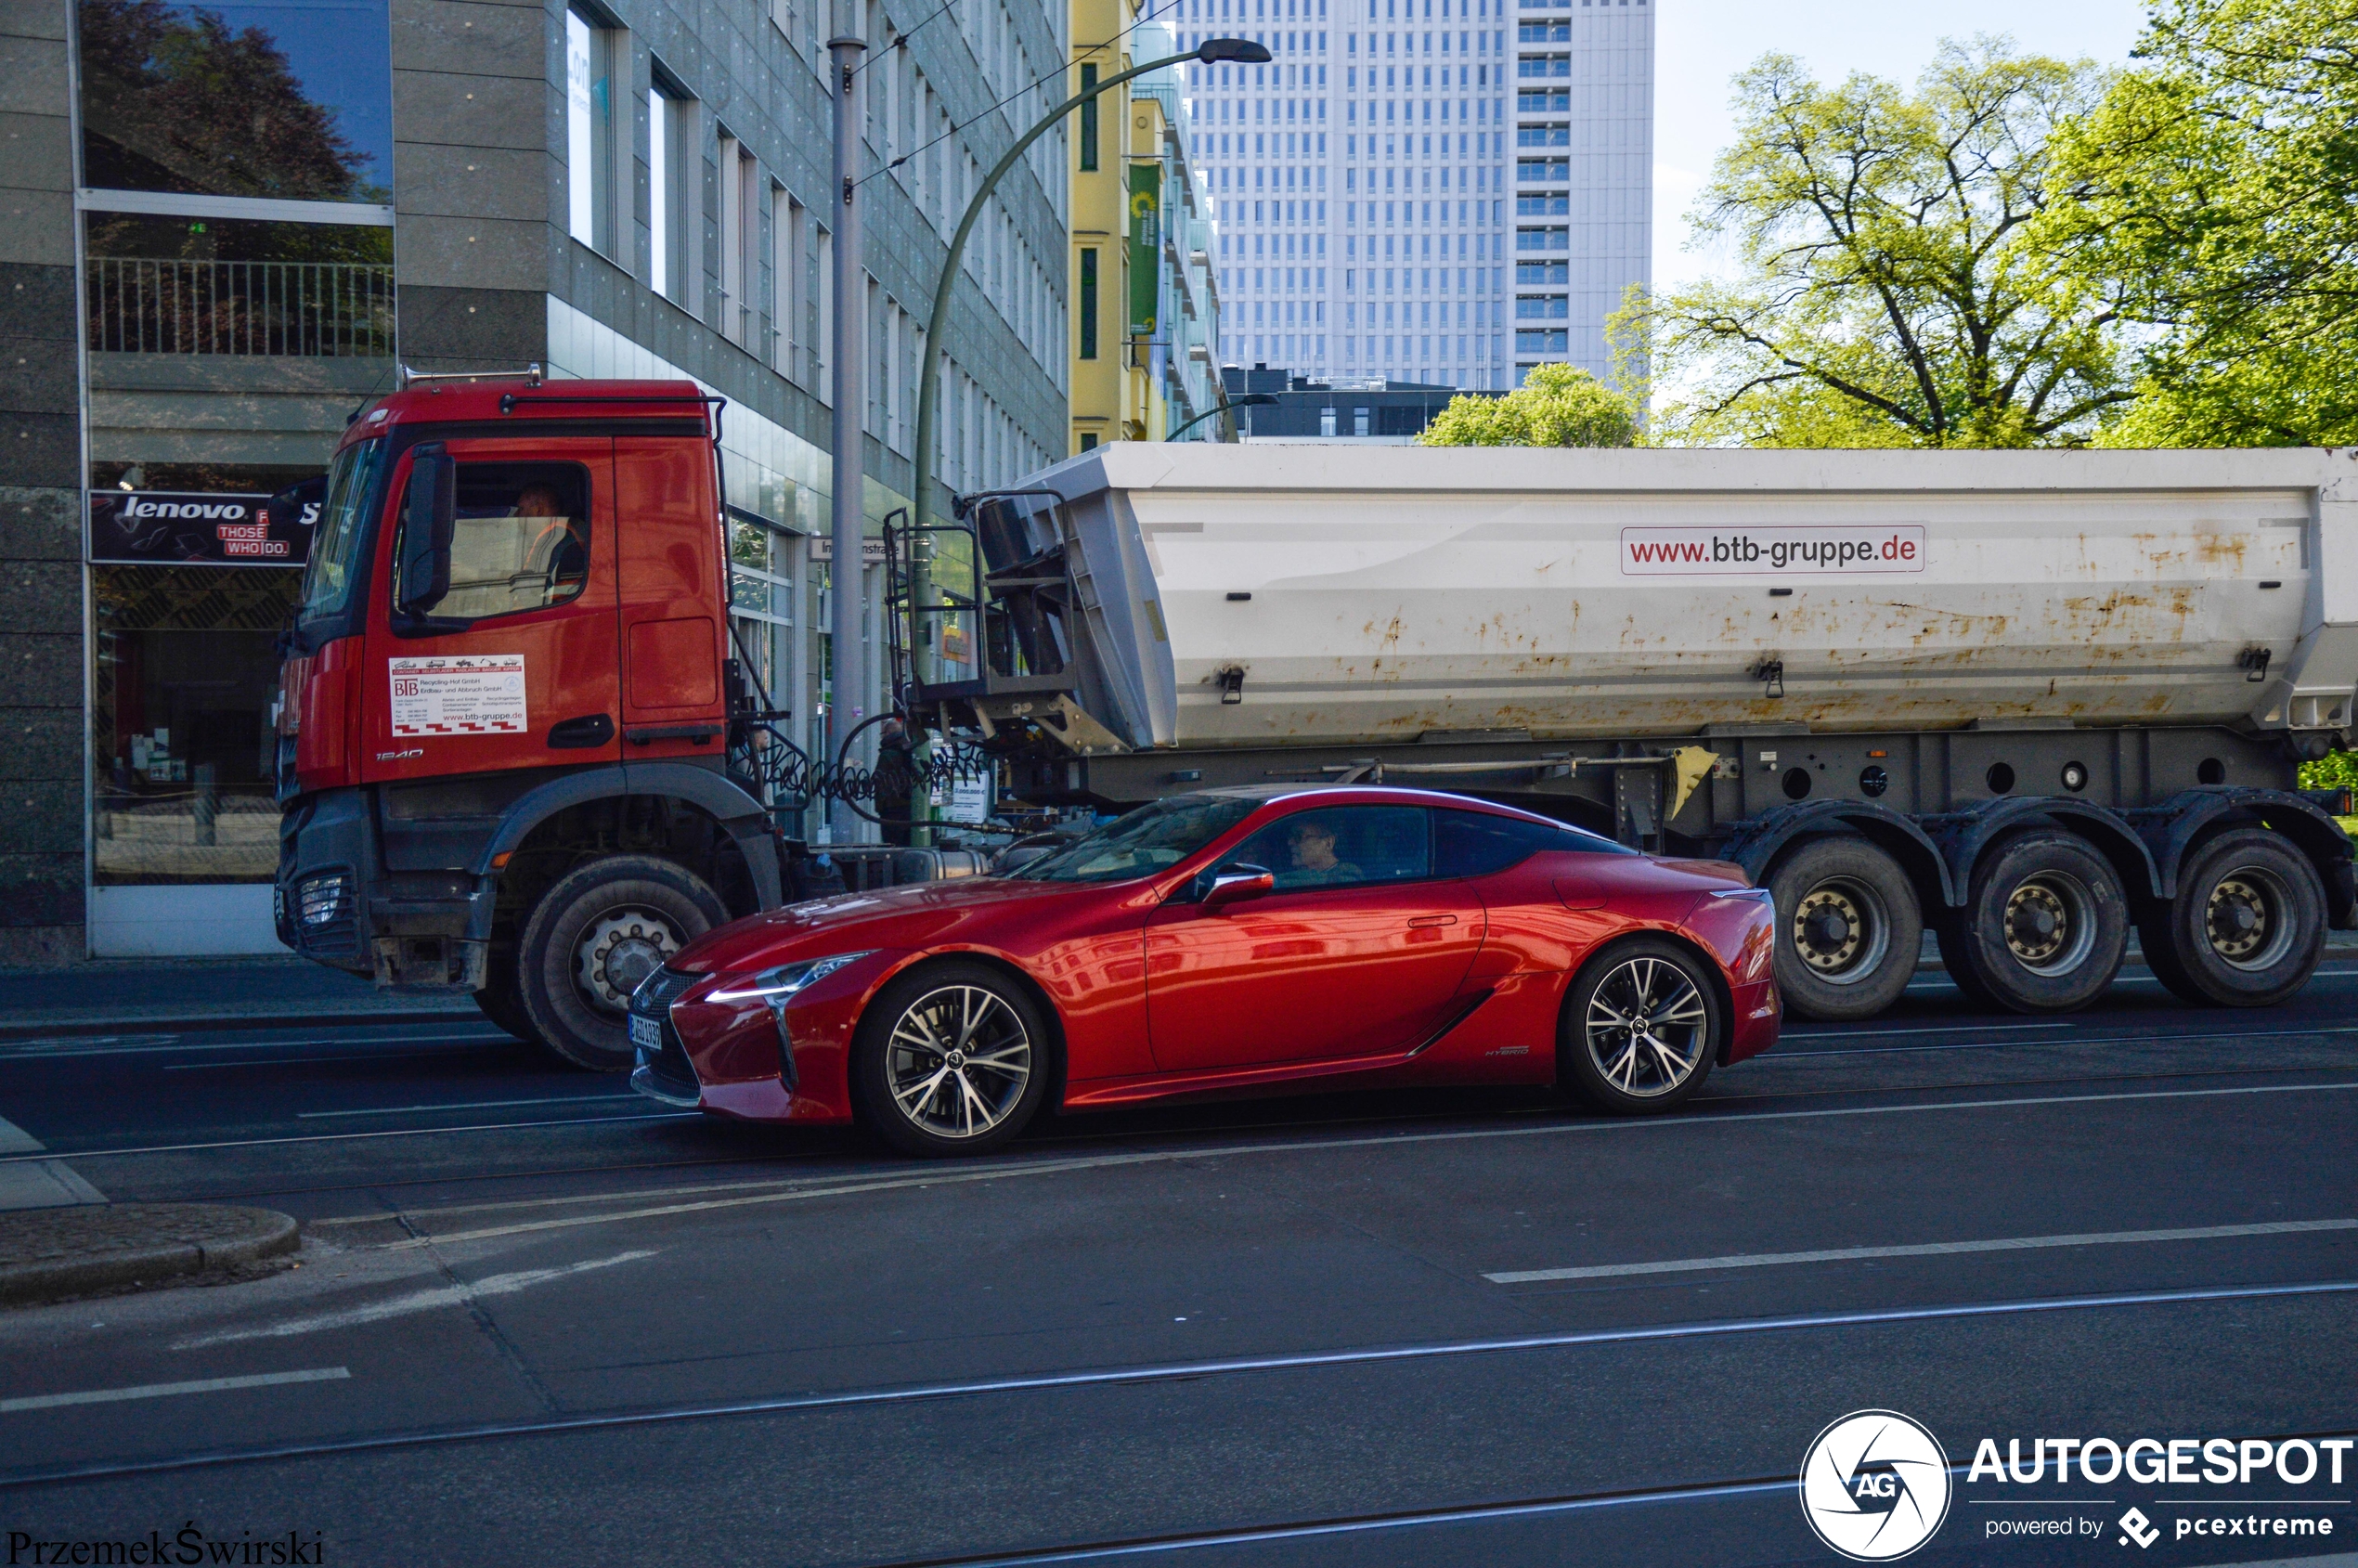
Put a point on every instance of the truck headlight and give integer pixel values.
(774, 986)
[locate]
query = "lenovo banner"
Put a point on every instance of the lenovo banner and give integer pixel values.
(174, 527)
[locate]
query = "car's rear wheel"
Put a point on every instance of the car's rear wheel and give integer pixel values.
(592, 937)
(1641, 1027)
(951, 1058)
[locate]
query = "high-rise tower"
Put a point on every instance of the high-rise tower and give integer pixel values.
(1428, 189)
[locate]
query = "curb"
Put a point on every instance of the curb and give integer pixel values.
(50, 1254)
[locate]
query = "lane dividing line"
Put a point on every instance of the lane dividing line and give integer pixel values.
(69, 1051)
(2093, 1040)
(415, 1301)
(160, 1391)
(1920, 1249)
(1949, 1029)
(1159, 1157)
(467, 1104)
(390, 1132)
(1181, 1372)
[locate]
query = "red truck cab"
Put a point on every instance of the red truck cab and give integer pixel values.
(503, 723)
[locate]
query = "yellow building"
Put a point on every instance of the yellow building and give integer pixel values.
(1146, 338)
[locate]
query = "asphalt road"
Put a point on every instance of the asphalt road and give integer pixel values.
(537, 1320)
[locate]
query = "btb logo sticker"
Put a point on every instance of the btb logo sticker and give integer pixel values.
(1875, 1486)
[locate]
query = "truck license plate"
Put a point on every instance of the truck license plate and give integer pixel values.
(646, 1033)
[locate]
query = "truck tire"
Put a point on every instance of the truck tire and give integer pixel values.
(2247, 927)
(2045, 927)
(1848, 931)
(592, 937)
(501, 1001)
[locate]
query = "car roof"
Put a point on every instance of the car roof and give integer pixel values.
(1370, 795)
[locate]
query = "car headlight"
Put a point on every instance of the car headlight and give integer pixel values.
(775, 985)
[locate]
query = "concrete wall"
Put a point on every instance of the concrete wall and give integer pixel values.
(42, 657)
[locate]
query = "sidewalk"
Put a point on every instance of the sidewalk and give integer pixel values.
(162, 995)
(47, 1254)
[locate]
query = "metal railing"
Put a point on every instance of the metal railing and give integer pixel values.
(324, 310)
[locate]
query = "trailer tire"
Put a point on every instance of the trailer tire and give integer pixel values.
(2045, 927)
(592, 937)
(1848, 931)
(2247, 927)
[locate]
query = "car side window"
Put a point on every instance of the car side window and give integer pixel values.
(1476, 844)
(520, 542)
(1341, 846)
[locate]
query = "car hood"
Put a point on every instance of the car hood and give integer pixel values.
(916, 914)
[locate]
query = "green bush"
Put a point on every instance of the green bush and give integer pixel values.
(2335, 771)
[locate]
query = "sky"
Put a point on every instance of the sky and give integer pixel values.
(1699, 44)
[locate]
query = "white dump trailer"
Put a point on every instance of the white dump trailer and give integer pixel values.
(2033, 698)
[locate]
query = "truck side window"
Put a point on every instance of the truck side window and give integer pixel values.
(521, 541)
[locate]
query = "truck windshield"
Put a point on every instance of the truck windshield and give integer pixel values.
(336, 545)
(1148, 841)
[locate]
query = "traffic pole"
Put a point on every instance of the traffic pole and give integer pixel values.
(847, 381)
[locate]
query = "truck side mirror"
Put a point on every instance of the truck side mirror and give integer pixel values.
(429, 513)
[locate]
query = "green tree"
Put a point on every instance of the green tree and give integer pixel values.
(1891, 287)
(1556, 406)
(2213, 186)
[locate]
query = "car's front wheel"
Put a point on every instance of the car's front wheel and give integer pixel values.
(951, 1058)
(1641, 1027)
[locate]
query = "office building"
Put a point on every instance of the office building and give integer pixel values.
(1368, 410)
(1442, 191)
(1145, 302)
(204, 284)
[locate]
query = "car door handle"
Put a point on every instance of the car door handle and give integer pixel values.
(1417, 920)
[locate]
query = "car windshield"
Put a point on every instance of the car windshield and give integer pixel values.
(335, 548)
(1149, 840)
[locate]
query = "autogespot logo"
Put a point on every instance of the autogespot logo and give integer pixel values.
(1875, 1486)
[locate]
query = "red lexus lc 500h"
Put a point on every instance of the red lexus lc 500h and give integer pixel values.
(1224, 942)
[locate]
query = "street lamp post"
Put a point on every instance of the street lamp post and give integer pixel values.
(848, 387)
(1214, 52)
(1251, 400)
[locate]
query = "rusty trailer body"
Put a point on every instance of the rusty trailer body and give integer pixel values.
(1912, 675)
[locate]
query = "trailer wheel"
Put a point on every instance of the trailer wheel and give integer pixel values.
(592, 937)
(1847, 927)
(2247, 927)
(2046, 926)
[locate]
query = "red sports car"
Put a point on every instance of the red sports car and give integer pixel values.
(1229, 941)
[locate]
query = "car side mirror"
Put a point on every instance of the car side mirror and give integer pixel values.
(1235, 883)
(429, 516)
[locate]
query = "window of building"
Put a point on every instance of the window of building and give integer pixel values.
(590, 164)
(1089, 133)
(1088, 302)
(670, 268)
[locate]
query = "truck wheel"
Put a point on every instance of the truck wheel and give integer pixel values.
(501, 1001)
(2046, 926)
(1848, 929)
(2247, 927)
(592, 937)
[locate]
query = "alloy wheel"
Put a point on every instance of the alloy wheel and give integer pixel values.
(957, 1061)
(1647, 1028)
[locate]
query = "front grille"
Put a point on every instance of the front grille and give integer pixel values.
(324, 904)
(668, 1069)
(659, 991)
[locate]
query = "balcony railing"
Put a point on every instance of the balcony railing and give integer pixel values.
(323, 309)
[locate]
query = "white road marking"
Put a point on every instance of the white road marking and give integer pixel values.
(353, 1056)
(355, 1137)
(1055, 1167)
(416, 1301)
(1919, 1250)
(28, 1180)
(468, 1105)
(2089, 1040)
(160, 1391)
(159, 1045)
(1945, 1028)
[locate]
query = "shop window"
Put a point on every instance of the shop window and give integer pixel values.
(184, 674)
(519, 542)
